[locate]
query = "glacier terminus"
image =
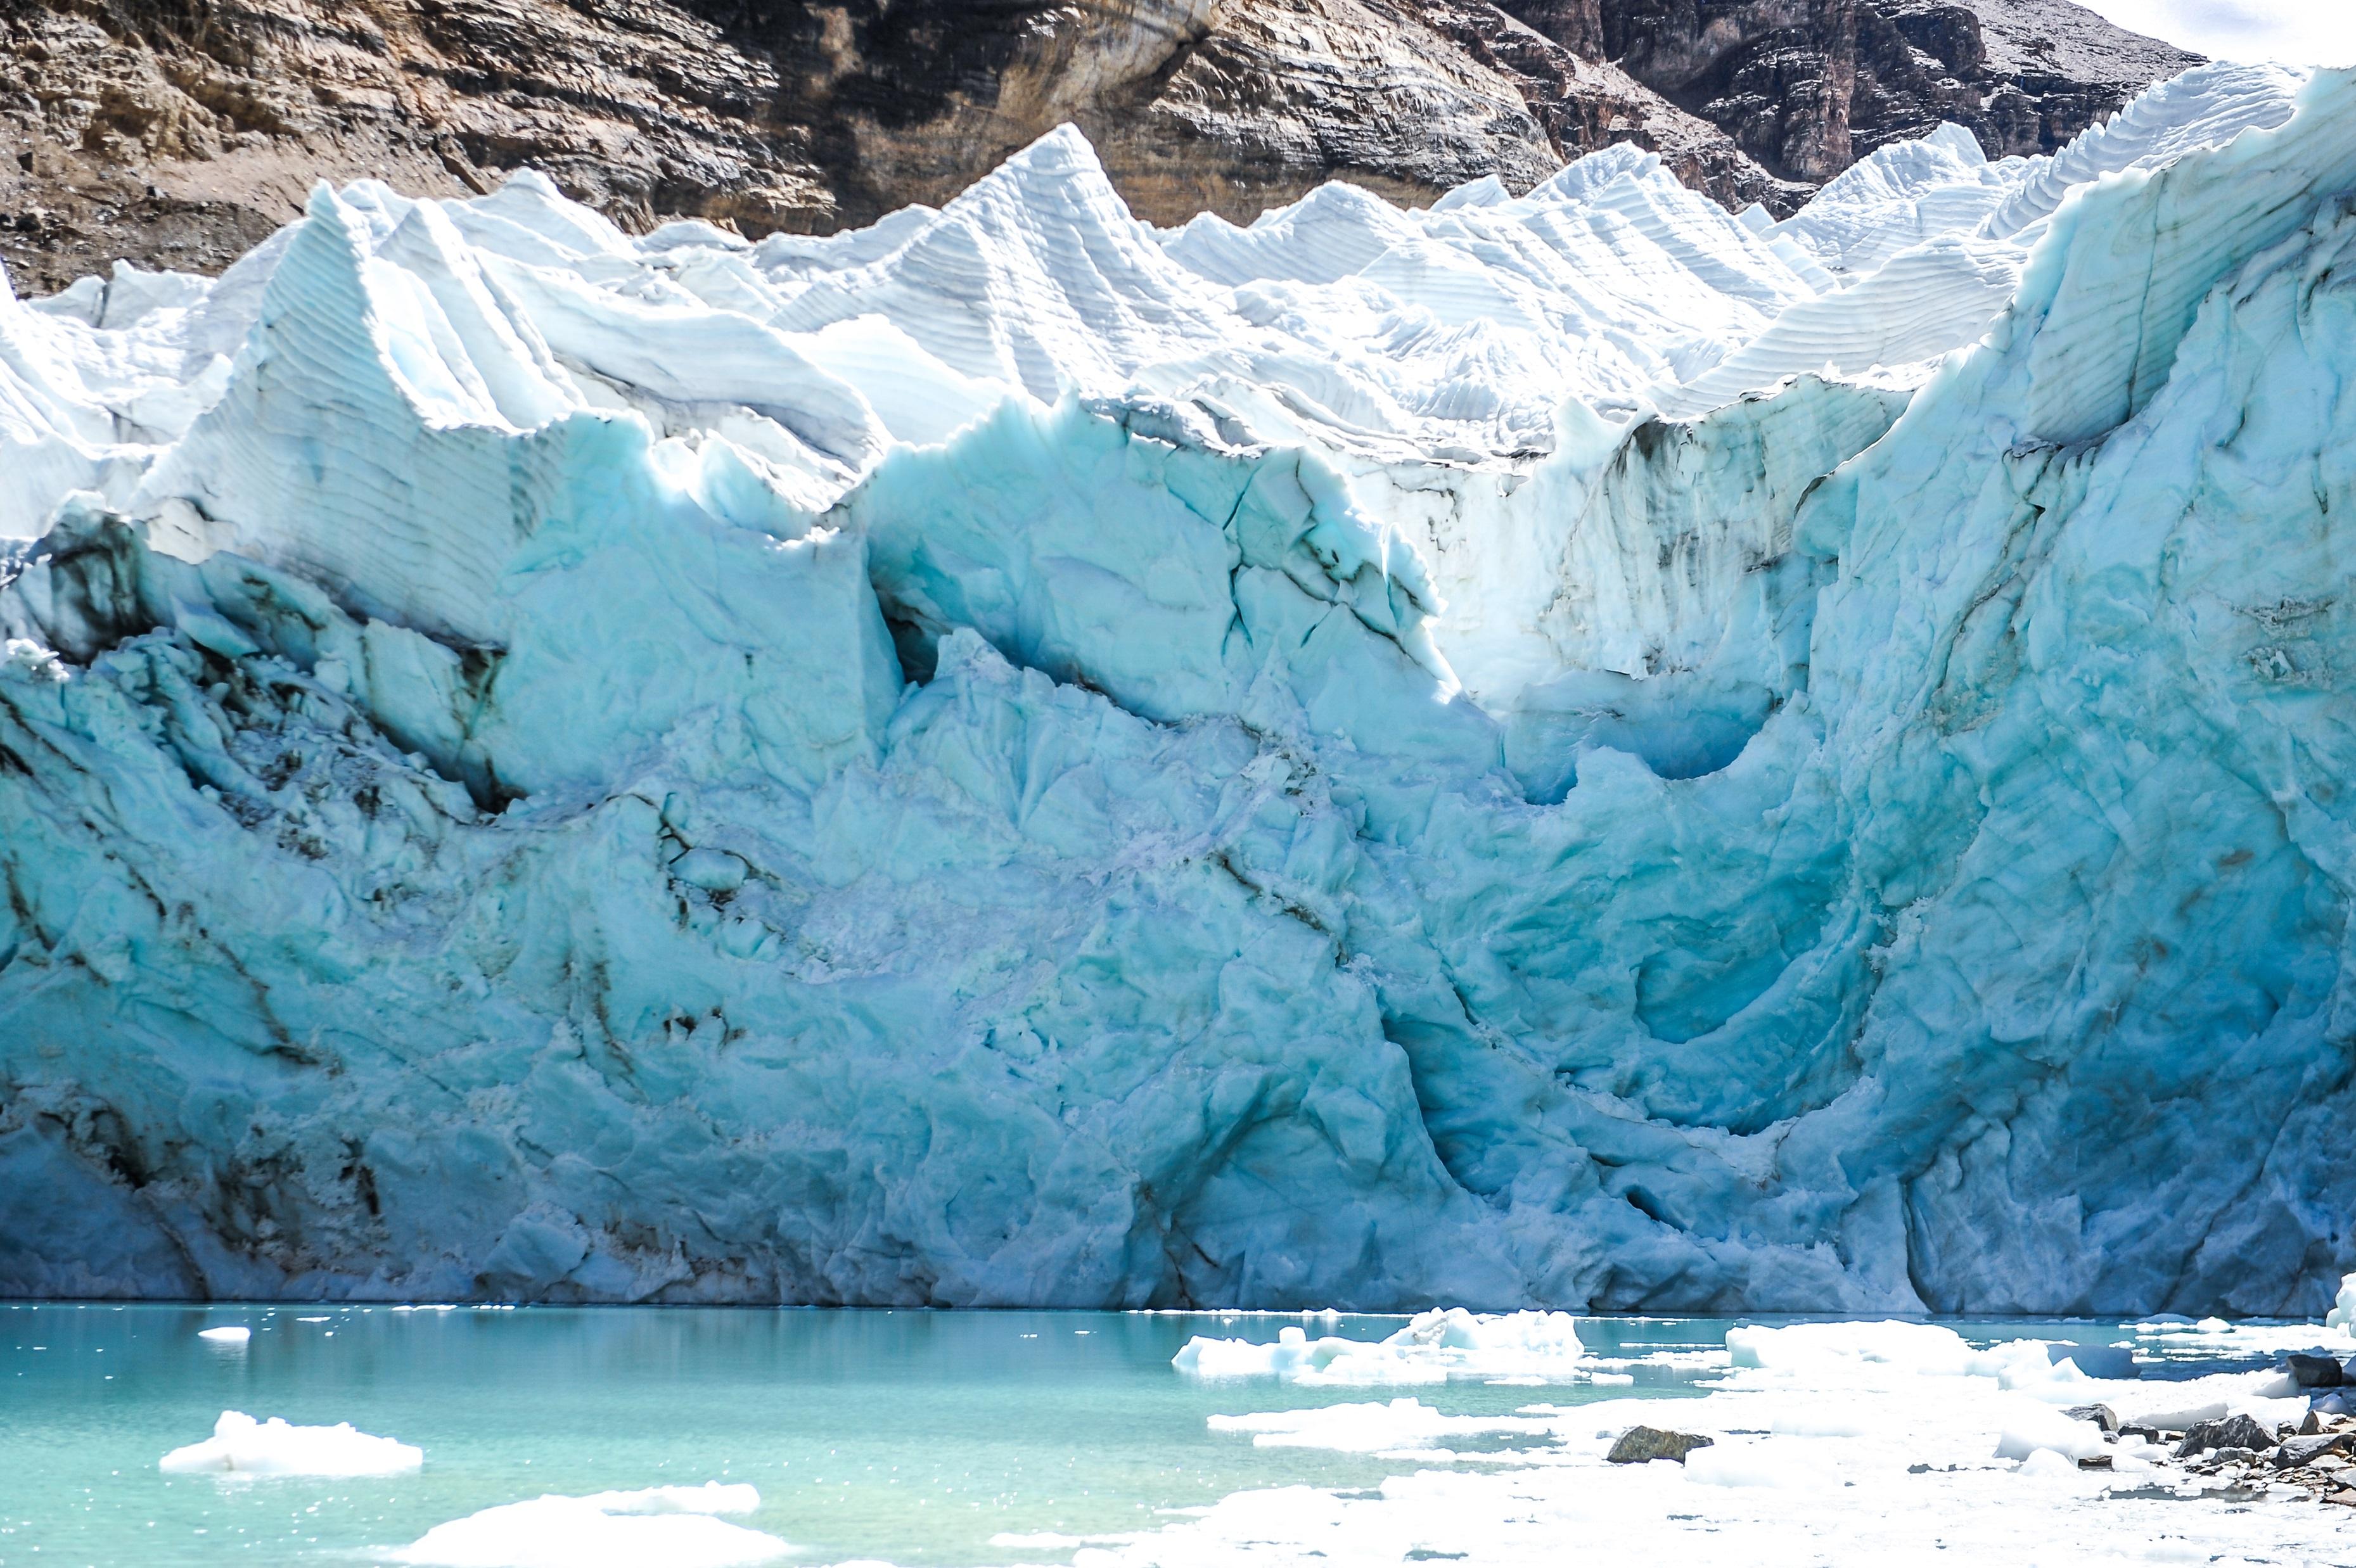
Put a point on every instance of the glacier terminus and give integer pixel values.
(1566, 750)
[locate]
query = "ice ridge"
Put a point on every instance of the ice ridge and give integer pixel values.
(1565, 750)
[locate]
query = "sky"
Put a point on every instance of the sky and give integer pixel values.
(2301, 32)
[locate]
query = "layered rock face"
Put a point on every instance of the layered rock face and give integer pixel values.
(177, 134)
(1806, 87)
(180, 133)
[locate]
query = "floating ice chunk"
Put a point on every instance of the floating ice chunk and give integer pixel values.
(1878, 1353)
(1298, 1359)
(2268, 1397)
(1433, 1347)
(241, 1446)
(2342, 1315)
(2109, 1362)
(2030, 1429)
(2048, 1464)
(234, 1335)
(1815, 1347)
(674, 1526)
(1048, 1541)
(2177, 1415)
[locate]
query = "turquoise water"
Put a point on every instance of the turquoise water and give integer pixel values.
(913, 1436)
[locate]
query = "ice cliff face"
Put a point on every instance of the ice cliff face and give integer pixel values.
(1568, 749)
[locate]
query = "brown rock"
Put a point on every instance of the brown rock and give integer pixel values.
(1641, 1445)
(1806, 87)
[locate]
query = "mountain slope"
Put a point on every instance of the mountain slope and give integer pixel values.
(1806, 87)
(177, 133)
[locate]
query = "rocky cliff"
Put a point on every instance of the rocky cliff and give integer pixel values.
(179, 132)
(1807, 87)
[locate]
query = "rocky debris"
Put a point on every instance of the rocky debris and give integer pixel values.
(2317, 1371)
(1642, 1444)
(2240, 1457)
(2294, 1452)
(2236, 1431)
(177, 133)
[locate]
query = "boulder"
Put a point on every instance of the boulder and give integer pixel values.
(1640, 1444)
(2298, 1451)
(2317, 1371)
(2234, 1431)
(2102, 1415)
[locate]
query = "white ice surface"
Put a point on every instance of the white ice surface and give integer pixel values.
(1015, 756)
(1833, 1444)
(677, 1526)
(240, 1445)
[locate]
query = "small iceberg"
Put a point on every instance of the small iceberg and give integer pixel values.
(1537, 1346)
(241, 1446)
(237, 1335)
(674, 1526)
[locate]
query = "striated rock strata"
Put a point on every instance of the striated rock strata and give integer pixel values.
(180, 131)
(1807, 87)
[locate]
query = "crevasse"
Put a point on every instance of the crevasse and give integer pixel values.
(1564, 750)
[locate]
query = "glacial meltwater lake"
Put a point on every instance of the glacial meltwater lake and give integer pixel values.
(915, 1437)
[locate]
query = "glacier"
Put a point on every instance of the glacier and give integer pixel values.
(1569, 749)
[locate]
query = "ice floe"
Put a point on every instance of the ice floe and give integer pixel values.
(240, 1445)
(1433, 1347)
(1835, 1444)
(677, 1527)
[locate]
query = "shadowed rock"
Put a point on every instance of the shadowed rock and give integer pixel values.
(2241, 1432)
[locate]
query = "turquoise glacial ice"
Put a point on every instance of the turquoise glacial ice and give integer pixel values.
(1565, 751)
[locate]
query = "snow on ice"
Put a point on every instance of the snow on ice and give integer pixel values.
(1564, 750)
